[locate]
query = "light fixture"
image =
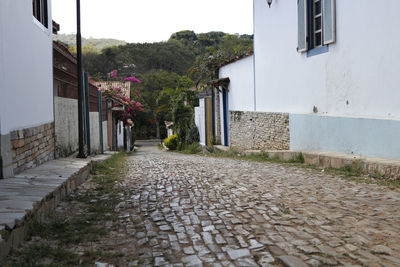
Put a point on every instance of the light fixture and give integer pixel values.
(269, 3)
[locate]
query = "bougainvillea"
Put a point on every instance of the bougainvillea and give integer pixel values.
(131, 107)
(113, 74)
(133, 79)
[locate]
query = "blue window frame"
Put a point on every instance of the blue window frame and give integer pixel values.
(316, 26)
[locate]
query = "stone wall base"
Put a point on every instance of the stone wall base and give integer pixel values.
(27, 148)
(376, 167)
(259, 130)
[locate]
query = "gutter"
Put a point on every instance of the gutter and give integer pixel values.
(1, 158)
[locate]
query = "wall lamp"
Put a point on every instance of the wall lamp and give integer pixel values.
(269, 3)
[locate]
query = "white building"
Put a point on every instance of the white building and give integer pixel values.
(326, 78)
(26, 84)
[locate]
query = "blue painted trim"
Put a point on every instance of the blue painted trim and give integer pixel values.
(318, 51)
(367, 137)
(225, 108)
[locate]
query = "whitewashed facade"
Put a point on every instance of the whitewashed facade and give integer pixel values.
(339, 87)
(26, 81)
(241, 94)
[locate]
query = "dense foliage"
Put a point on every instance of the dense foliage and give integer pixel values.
(132, 105)
(169, 72)
(88, 44)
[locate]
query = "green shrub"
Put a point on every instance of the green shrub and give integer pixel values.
(193, 135)
(194, 148)
(171, 142)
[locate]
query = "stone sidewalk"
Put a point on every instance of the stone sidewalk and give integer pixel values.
(36, 192)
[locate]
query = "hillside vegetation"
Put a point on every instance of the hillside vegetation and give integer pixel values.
(167, 70)
(91, 44)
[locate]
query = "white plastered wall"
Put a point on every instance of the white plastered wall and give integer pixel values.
(200, 121)
(120, 134)
(26, 71)
(241, 86)
(359, 75)
(354, 87)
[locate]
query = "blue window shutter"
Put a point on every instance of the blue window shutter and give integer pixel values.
(329, 20)
(302, 25)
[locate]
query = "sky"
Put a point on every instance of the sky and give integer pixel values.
(153, 20)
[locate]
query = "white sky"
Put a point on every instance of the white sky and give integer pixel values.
(153, 20)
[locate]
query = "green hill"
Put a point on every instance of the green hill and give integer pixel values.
(93, 43)
(177, 55)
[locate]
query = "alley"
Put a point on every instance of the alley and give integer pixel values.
(203, 210)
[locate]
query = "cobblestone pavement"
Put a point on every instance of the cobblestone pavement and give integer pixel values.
(208, 211)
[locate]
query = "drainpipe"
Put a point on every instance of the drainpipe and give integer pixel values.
(81, 153)
(254, 55)
(213, 113)
(87, 113)
(101, 121)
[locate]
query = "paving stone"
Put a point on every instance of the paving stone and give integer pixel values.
(188, 250)
(208, 228)
(238, 253)
(292, 261)
(159, 261)
(382, 249)
(308, 249)
(219, 239)
(142, 241)
(165, 227)
(193, 261)
(265, 258)
(254, 244)
(207, 237)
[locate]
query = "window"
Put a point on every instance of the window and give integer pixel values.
(316, 24)
(40, 11)
(316, 8)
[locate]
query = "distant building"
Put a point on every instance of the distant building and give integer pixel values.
(66, 108)
(125, 86)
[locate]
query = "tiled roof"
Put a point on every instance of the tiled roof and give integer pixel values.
(125, 86)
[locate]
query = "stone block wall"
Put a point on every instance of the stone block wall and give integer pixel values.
(259, 130)
(32, 146)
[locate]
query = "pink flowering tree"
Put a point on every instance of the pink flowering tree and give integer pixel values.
(132, 106)
(134, 80)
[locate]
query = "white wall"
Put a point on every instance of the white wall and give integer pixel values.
(120, 134)
(361, 68)
(105, 136)
(66, 126)
(241, 86)
(94, 132)
(26, 71)
(200, 121)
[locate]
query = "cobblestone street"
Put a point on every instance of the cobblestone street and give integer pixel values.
(174, 209)
(201, 210)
